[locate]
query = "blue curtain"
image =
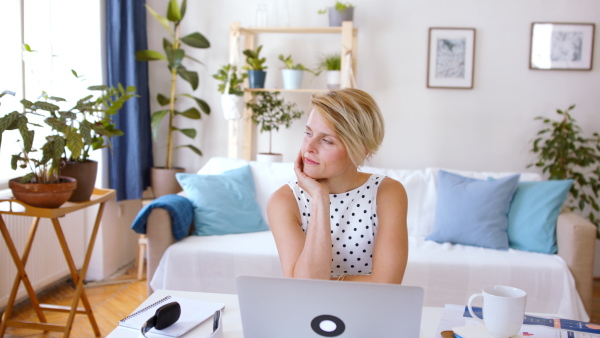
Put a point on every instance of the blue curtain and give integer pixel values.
(131, 157)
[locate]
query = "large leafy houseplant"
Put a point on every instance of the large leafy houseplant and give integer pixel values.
(272, 112)
(174, 54)
(74, 132)
(564, 153)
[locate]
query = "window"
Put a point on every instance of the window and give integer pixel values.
(65, 35)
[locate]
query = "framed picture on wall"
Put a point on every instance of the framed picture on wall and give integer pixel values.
(451, 58)
(564, 46)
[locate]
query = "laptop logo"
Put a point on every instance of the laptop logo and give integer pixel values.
(328, 326)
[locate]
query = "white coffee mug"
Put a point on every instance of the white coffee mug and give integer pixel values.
(503, 309)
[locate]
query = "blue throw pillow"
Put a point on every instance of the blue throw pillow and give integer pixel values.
(223, 204)
(533, 213)
(473, 212)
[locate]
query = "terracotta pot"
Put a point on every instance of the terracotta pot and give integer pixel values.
(85, 174)
(163, 181)
(51, 195)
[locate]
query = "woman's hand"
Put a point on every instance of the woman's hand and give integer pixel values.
(313, 187)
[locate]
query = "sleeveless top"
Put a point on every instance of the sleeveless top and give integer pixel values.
(353, 226)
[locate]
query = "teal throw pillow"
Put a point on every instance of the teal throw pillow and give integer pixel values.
(473, 212)
(533, 214)
(223, 204)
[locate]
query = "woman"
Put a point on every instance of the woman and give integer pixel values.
(336, 222)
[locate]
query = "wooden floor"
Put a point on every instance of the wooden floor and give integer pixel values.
(111, 301)
(116, 299)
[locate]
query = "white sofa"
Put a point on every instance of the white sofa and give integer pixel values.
(560, 283)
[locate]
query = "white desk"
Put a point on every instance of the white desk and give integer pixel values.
(232, 321)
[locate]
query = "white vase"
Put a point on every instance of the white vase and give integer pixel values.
(292, 78)
(232, 106)
(269, 158)
(334, 79)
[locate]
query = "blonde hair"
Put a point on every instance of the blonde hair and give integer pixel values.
(356, 119)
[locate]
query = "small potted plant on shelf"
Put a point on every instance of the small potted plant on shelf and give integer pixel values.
(293, 72)
(332, 63)
(272, 112)
(231, 90)
(338, 13)
(564, 153)
(163, 179)
(255, 68)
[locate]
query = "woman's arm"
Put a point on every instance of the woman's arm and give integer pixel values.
(302, 255)
(390, 253)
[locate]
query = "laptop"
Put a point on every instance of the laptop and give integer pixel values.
(303, 308)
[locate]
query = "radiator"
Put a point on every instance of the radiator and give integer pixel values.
(46, 263)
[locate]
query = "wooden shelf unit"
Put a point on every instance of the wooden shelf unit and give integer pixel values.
(348, 44)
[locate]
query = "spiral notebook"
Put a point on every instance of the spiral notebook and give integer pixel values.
(193, 312)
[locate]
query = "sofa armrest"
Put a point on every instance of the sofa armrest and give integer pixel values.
(576, 238)
(159, 237)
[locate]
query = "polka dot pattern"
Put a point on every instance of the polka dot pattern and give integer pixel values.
(353, 219)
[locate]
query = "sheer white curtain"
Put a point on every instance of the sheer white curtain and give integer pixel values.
(65, 35)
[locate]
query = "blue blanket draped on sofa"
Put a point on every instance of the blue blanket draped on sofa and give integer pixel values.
(179, 208)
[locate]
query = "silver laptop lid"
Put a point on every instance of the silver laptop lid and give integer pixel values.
(303, 308)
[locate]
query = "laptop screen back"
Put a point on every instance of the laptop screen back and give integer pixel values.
(302, 308)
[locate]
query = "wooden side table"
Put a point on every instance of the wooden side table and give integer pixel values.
(99, 196)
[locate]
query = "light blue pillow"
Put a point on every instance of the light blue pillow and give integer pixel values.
(533, 213)
(223, 204)
(473, 212)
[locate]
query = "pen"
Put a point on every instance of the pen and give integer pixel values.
(216, 318)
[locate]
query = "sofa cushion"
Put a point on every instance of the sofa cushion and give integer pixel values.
(533, 214)
(223, 204)
(473, 212)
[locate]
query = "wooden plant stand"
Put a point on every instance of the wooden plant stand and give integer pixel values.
(99, 196)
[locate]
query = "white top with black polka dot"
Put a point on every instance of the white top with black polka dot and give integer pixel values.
(353, 225)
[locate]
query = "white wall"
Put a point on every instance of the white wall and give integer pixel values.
(486, 128)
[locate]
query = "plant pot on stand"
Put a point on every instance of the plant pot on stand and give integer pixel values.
(256, 78)
(163, 181)
(292, 78)
(43, 195)
(85, 173)
(336, 17)
(334, 79)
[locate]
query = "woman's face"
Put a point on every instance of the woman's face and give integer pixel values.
(323, 153)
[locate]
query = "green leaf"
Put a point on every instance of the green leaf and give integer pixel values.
(196, 40)
(183, 8)
(161, 19)
(189, 132)
(155, 121)
(45, 106)
(162, 100)
(149, 55)
(75, 144)
(175, 56)
(192, 113)
(190, 76)
(27, 178)
(194, 149)
(173, 12)
(201, 103)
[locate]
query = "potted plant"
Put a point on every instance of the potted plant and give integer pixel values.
(42, 187)
(564, 153)
(332, 63)
(256, 69)
(163, 179)
(231, 90)
(293, 72)
(87, 126)
(271, 112)
(338, 13)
